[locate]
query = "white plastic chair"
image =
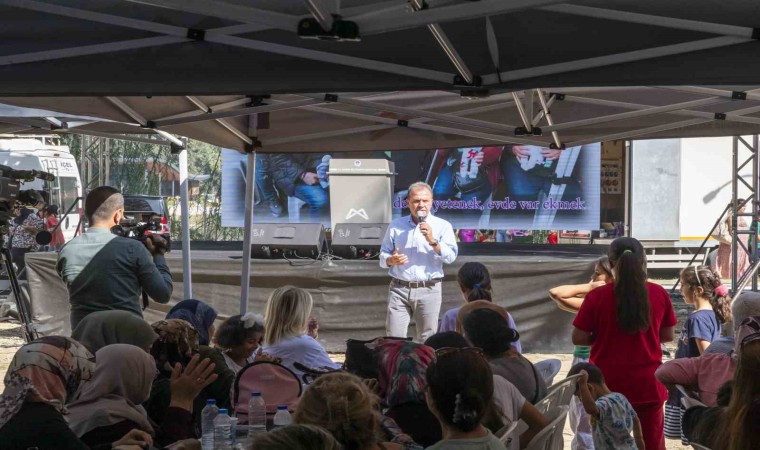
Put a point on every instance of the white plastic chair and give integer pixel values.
(550, 437)
(558, 394)
(504, 433)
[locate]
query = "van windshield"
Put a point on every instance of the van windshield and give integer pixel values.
(63, 192)
(69, 193)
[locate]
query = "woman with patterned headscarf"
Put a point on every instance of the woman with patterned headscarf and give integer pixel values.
(44, 375)
(401, 371)
(177, 343)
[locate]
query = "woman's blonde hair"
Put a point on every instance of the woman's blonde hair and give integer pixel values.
(343, 405)
(287, 314)
(295, 437)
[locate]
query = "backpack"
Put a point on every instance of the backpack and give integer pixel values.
(277, 384)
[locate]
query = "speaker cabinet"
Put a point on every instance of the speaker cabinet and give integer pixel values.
(289, 240)
(358, 240)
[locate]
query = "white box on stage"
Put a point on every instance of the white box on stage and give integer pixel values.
(361, 191)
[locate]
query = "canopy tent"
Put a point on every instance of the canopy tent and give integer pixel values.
(197, 47)
(387, 74)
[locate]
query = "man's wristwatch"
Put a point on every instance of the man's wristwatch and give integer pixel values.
(434, 243)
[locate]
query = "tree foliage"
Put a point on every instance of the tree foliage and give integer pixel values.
(132, 173)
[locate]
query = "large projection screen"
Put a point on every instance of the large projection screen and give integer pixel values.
(514, 187)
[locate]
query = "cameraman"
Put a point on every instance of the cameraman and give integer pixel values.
(104, 271)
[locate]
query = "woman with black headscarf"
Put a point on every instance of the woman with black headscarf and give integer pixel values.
(200, 315)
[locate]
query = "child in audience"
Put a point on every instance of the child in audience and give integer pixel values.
(459, 393)
(701, 288)
(475, 284)
(613, 417)
(240, 337)
(570, 298)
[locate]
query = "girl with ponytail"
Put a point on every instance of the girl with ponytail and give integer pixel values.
(459, 392)
(702, 289)
(625, 323)
(475, 283)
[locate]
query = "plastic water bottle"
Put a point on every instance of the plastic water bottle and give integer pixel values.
(282, 418)
(222, 431)
(207, 424)
(233, 431)
(257, 415)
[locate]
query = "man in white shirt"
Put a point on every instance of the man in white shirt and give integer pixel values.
(414, 250)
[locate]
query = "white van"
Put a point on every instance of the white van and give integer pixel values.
(33, 154)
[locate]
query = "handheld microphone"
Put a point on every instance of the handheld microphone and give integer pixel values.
(421, 217)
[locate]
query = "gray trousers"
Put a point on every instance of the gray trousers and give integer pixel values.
(422, 303)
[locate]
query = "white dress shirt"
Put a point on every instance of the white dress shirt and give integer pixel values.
(424, 263)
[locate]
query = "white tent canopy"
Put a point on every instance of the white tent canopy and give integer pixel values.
(412, 120)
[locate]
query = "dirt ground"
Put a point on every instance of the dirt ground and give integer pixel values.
(11, 340)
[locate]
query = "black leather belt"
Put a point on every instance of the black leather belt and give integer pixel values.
(417, 284)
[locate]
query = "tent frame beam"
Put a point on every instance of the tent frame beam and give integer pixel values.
(608, 60)
(421, 113)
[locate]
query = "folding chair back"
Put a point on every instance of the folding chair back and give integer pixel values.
(550, 438)
(558, 394)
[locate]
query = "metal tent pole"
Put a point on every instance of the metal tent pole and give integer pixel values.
(245, 279)
(187, 282)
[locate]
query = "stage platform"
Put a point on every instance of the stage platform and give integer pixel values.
(350, 297)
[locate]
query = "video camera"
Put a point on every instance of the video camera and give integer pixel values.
(130, 228)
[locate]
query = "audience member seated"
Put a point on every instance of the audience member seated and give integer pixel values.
(695, 419)
(475, 283)
(507, 399)
(708, 372)
(43, 376)
(285, 330)
(745, 305)
(240, 337)
(200, 315)
(459, 392)
(401, 368)
(490, 331)
(108, 405)
(103, 328)
(296, 437)
(175, 348)
(736, 427)
(343, 405)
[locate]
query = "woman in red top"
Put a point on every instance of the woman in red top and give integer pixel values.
(624, 323)
(51, 222)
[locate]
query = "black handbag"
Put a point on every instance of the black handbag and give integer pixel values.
(360, 357)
